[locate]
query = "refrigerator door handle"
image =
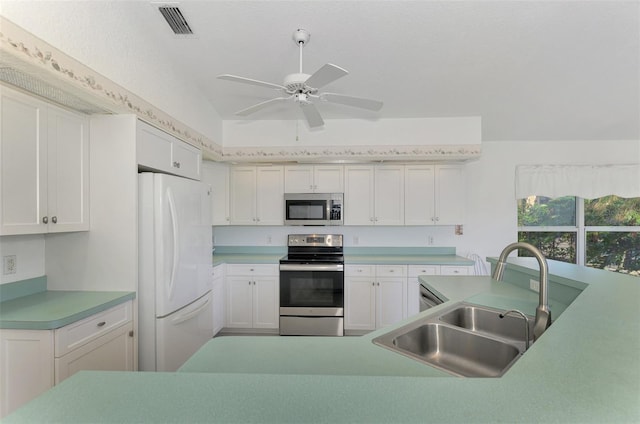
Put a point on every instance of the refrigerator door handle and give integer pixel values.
(187, 316)
(176, 236)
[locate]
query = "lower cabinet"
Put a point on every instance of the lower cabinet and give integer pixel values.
(32, 361)
(252, 296)
(219, 298)
(375, 296)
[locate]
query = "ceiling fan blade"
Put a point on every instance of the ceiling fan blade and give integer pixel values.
(313, 116)
(360, 102)
(257, 107)
(244, 80)
(323, 76)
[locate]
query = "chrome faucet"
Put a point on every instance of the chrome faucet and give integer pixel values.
(526, 324)
(543, 314)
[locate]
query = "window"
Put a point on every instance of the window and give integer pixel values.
(601, 233)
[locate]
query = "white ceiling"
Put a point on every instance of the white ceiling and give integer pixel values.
(532, 70)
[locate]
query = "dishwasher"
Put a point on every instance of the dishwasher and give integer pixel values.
(428, 299)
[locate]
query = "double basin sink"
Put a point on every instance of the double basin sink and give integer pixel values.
(464, 340)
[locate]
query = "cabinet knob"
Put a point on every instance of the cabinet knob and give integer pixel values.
(54, 219)
(176, 164)
(101, 323)
(131, 333)
(45, 219)
(392, 270)
(373, 284)
(437, 219)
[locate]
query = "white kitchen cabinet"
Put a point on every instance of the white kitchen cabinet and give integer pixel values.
(257, 195)
(455, 270)
(374, 195)
(375, 296)
(44, 172)
(26, 366)
(159, 151)
(32, 361)
(217, 176)
(252, 296)
(314, 179)
(434, 194)
(219, 298)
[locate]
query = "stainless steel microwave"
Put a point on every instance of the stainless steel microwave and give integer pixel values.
(313, 208)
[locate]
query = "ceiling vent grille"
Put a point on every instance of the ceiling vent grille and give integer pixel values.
(176, 20)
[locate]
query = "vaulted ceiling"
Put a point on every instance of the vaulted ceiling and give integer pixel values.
(532, 70)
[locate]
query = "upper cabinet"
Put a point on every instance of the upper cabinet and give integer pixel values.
(434, 194)
(314, 179)
(160, 151)
(217, 176)
(44, 172)
(256, 195)
(374, 195)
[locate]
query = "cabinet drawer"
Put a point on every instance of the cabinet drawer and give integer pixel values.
(391, 270)
(360, 270)
(252, 269)
(74, 335)
(454, 270)
(416, 270)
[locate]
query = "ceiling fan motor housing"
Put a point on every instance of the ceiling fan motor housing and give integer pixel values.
(301, 36)
(295, 83)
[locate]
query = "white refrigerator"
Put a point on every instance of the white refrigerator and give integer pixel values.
(175, 315)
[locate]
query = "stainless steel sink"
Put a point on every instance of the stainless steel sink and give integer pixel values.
(464, 340)
(487, 321)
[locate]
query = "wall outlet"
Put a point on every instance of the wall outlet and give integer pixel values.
(10, 264)
(534, 285)
(430, 240)
(356, 240)
(269, 239)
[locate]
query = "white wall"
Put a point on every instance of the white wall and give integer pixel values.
(75, 26)
(491, 206)
(354, 132)
(30, 257)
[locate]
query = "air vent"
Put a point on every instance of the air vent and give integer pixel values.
(176, 20)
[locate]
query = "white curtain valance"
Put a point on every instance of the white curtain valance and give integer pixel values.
(587, 181)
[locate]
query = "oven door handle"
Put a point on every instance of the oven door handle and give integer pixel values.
(311, 267)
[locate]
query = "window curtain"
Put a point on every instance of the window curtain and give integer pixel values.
(587, 181)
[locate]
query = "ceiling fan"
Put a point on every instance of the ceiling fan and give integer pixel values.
(303, 88)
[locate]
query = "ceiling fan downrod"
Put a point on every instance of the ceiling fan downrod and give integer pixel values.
(301, 37)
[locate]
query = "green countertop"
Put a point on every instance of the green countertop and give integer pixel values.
(48, 310)
(585, 368)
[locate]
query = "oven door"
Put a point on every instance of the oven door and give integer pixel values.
(312, 289)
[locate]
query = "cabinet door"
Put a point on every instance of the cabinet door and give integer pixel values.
(389, 195)
(26, 366)
(186, 159)
(111, 352)
(413, 285)
(239, 302)
(419, 195)
(266, 313)
(360, 304)
(328, 179)
(270, 195)
(358, 195)
(68, 171)
(298, 179)
(153, 148)
(23, 171)
(391, 301)
(242, 195)
(450, 195)
(219, 305)
(217, 176)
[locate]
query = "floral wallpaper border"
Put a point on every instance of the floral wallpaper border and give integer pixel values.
(21, 49)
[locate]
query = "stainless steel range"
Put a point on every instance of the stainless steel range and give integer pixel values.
(312, 286)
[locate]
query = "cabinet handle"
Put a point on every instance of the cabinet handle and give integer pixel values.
(373, 284)
(392, 270)
(249, 282)
(54, 219)
(45, 219)
(131, 333)
(101, 323)
(437, 219)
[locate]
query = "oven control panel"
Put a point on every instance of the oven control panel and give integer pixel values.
(328, 240)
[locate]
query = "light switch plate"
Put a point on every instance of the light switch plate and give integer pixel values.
(534, 285)
(10, 264)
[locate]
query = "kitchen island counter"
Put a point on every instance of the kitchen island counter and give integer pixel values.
(585, 368)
